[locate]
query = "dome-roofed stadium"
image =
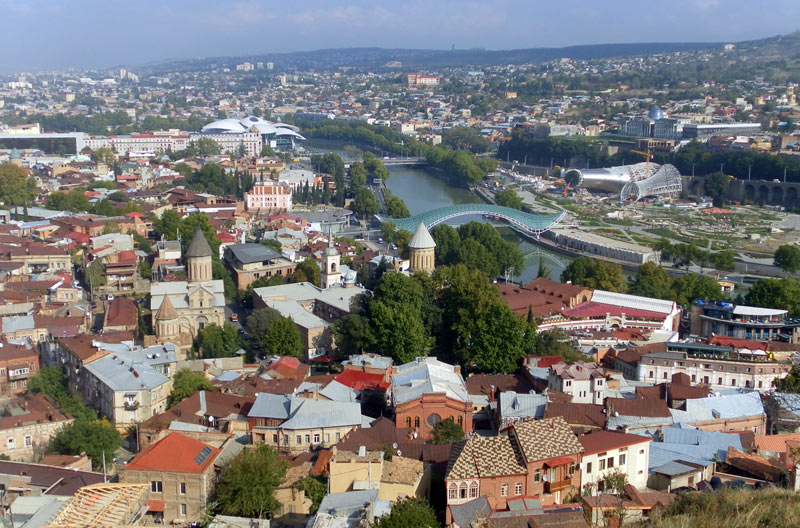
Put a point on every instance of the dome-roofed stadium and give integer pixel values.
(284, 135)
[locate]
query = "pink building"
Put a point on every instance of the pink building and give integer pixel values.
(269, 196)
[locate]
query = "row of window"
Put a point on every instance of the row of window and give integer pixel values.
(708, 366)
(432, 420)
(707, 380)
(11, 443)
(157, 486)
(608, 463)
(317, 437)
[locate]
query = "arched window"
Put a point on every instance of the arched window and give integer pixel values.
(473, 490)
(518, 489)
(408, 421)
(462, 491)
(416, 421)
(452, 491)
(504, 490)
(461, 422)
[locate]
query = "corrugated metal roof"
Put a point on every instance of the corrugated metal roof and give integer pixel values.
(522, 405)
(426, 376)
(306, 413)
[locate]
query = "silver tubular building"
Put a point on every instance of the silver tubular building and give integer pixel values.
(632, 182)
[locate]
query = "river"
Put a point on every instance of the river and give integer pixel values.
(422, 191)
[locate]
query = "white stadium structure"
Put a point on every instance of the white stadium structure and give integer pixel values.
(632, 182)
(276, 135)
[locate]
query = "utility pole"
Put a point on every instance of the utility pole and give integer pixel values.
(748, 172)
(692, 170)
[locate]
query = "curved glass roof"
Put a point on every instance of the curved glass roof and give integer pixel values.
(532, 223)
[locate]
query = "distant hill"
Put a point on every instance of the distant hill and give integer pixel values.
(374, 59)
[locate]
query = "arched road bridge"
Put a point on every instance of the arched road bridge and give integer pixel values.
(534, 224)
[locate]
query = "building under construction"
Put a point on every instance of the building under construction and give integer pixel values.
(631, 182)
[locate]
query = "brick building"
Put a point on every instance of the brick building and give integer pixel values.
(533, 458)
(426, 392)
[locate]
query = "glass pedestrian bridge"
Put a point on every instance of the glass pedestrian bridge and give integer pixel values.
(535, 224)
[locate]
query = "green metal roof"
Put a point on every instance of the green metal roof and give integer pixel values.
(535, 224)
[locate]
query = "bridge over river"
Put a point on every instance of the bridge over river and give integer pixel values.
(533, 224)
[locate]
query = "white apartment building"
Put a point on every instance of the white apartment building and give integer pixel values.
(585, 382)
(605, 452)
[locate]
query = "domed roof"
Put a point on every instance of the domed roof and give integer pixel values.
(655, 113)
(422, 239)
(225, 126)
(199, 246)
(264, 127)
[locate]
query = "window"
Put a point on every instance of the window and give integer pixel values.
(338, 436)
(182, 488)
(733, 383)
(504, 490)
(610, 462)
(461, 422)
(623, 449)
(599, 382)
(537, 475)
(12, 444)
(452, 492)
(462, 491)
(665, 375)
(568, 383)
(416, 421)
(572, 469)
(299, 439)
(621, 460)
(28, 441)
(408, 421)
(588, 467)
(183, 510)
(327, 438)
(275, 439)
(602, 464)
(156, 486)
(694, 378)
(719, 381)
(651, 374)
(317, 438)
(518, 489)
(473, 490)
(641, 451)
(308, 439)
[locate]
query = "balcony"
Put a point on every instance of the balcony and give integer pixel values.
(131, 405)
(557, 485)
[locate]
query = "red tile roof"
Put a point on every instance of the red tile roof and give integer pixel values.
(359, 381)
(607, 440)
(596, 309)
(175, 453)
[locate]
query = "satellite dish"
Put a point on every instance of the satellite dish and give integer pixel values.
(399, 453)
(394, 445)
(546, 478)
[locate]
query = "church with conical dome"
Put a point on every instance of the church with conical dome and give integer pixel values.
(180, 309)
(422, 251)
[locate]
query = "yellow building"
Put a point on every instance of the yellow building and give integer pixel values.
(394, 479)
(422, 250)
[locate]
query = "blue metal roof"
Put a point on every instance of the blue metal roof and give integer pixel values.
(532, 223)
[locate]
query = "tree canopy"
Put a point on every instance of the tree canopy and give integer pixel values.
(214, 341)
(247, 485)
(408, 512)
(508, 198)
(787, 257)
(282, 339)
(96, 438)
(16, 188)
(447, 432)
(595, 274)
(184, 384)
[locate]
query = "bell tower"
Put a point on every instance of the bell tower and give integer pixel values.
(331, 275)
(198, 258)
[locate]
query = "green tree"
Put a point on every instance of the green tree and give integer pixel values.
(716, 185)
(398, 332)
(184, 384)
(783, 294)
(595, 274)
(142, 242)
(167, 226)
(690, 287)
(104, 155)
(207, 147)
(96, 438)
(787, 257)
(396, 207)
(447, 432)
(314, 488)
(387, 230)
(407, 512)
(307, 271)
(282, 339)
(94, 274)
(365, 203)
(145, 269)
(16, 188)
(723, 260)
(214, 341)
(260, 320)
(50, 381)
(273, 244)
(354, 334)
(556, 342)
(652, 281)
(508, 198)
(247, 485)
(104, 208)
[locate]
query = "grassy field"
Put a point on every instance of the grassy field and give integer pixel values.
(775, 508)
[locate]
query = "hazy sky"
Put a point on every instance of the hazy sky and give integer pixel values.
(42, 34)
